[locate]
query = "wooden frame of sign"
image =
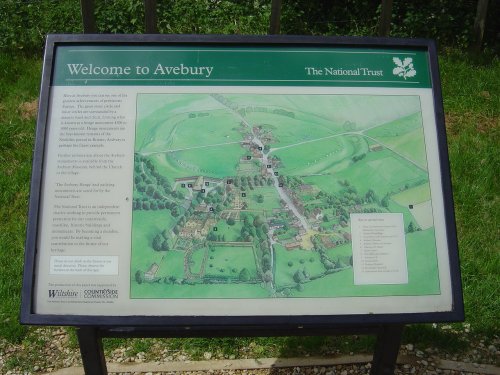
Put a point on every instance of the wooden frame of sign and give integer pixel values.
(240, 185)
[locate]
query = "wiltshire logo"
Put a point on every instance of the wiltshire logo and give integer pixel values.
(404, 68)
(60, 293)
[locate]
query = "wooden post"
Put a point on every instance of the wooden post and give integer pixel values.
(88, 19)
(387, 349)
(274, 24)
(384, 26)
(90, 341)
(479, 24)
(150, 13)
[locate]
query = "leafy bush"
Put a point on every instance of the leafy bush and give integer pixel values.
(24, 23)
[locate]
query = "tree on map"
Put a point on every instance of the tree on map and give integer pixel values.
(150, 189)
(306, 273)
(298, 276)
(267, 276)
(165, 246)
(301, 276)
(174, 211)
(139, 276)
(260, 198)
(157, 242)
(230, 221)
(244, 275)
(260, 233)
(258, 221)
(266, 262)
(329, 265)
(385, 201)
(412, 227)
(370, 196)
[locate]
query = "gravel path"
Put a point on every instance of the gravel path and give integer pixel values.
(51, 350)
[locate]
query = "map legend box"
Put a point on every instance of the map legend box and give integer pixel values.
(379, 249)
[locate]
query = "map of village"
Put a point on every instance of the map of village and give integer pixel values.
(250, 196)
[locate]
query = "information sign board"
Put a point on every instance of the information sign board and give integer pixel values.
(237, 177)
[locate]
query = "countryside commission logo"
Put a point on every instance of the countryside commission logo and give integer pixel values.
(404, 68)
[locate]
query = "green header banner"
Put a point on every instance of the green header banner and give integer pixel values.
(115, 65)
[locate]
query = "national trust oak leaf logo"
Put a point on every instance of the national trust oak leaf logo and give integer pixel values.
(404, 68)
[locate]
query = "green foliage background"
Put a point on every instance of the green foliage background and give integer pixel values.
(24, 23)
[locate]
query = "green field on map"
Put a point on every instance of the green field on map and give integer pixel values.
(250, 195)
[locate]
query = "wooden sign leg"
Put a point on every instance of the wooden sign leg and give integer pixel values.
(90, 341)
(387, 349)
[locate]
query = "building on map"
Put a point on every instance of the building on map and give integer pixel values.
(376, 147)
(237, 203)
(202, 207)
(306, 188)
(198, 182)
(292, 245)
(150, 274)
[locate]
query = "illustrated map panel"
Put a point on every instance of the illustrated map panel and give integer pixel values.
(281, 196)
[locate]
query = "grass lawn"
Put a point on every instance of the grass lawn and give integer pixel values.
(220, 126)
(376, 171)
(418, 194)
(404, 136)
(146, 290)
(314, 157)
(217, 161)
(270, 195)
(162, 116)
(422, 277)
(228, 261)
(197, 257)
(231, 232)
(145, 226)
(287, 130)
(288, 262)
(172, 264)
(472, 105)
